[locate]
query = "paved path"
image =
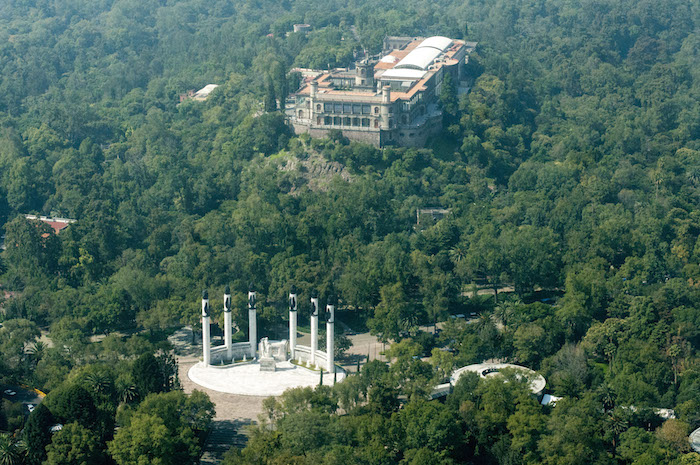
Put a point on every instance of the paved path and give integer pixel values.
(233, 413)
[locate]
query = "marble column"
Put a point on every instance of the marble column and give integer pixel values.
(252, 322)
(293, 322)
(228, 337)
(330, 334)
(206, 322)
(314, 327)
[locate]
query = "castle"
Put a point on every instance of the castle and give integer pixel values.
(391, 99)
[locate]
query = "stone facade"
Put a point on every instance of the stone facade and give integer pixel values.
(392, 100)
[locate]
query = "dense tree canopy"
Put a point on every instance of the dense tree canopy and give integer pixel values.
(571, 172)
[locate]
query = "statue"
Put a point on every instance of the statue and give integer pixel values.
(265, 348)
(267, 361)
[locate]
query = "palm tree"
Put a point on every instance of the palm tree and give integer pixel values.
(99, 382)
(617, 425)
(12, 451)
(506, 310)
(607, 396)
(129, 394)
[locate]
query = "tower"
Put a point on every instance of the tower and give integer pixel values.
(384, 109)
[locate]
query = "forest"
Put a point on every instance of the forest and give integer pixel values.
(571, 172)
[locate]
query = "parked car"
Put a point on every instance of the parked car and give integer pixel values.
(10, 392)
(30, 407)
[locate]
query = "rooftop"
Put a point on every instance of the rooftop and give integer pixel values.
(58, 224)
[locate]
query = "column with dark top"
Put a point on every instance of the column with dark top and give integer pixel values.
(228, 337)
(330, 333)
(293, 322)
(314, 326)
(206, 339)
(252, 322)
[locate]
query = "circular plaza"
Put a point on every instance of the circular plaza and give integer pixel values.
(247, 379)
(487, 370)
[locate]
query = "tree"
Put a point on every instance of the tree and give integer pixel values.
(32, 248)
(147, 376)
(11, 451)
(147, 441)
(574, 434)
(393, 314)
(73, 403)
(427, 424)
(37, 434)
(675, 433)
(270, 100)
(15, 334)
(525, 426)
(74, 445)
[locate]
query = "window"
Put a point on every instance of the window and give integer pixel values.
(327, 120)
(404, 119)
(336, 120)
(337, 107)
(376, 110)
(347, 108)
(376, 123)
(365, 122)
(318, 107)
(346, 121)
(328, 107)
(301, 113)
(366, 109)
(357, 109)
(356, 121)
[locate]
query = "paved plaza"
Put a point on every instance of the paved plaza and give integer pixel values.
(246, 379)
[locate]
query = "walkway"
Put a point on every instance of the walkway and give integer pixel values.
(695, 440)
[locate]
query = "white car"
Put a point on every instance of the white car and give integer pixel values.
(30, 407)
(10, 392)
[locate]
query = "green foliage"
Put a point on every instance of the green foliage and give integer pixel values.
(570, 171)
(74, 445)
(37, 435)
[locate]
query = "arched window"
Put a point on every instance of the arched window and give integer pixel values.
(318, 107)
(301, 113)
(376, 110)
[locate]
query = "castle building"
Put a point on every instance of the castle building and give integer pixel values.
(392, 100)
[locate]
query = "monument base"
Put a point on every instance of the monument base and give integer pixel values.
(268, 364)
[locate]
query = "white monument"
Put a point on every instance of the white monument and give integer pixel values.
(263, 368)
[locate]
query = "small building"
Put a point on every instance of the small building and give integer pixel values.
(58, 224)
(391, 99)
(302, 28)
(203, 93)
